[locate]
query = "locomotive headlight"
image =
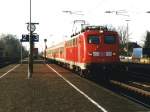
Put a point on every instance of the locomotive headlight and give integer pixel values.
(114, 54)
(101, 31)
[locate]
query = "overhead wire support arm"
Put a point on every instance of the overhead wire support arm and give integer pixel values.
(118, 12)
(75, 21)
(73, 12)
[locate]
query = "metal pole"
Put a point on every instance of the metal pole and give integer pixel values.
(127, 42)
(21, 53)
(45, 40)
(45, 52)
(30, 66)
(128, 39)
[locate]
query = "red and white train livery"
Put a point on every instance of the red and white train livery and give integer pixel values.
(93, 48)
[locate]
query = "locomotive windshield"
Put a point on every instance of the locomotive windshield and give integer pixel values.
(109, 39)
(93, 39)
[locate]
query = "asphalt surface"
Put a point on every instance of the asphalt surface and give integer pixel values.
(46, 91)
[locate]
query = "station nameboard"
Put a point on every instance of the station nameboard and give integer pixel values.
(25, 38)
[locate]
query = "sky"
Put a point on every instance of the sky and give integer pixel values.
(56, 26)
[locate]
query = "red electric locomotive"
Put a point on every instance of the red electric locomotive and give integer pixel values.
(92, 49)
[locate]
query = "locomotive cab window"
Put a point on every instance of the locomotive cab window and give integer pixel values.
(109, 39)
(93, 39)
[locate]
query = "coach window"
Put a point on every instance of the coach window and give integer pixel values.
(109, 39)
(93, 39)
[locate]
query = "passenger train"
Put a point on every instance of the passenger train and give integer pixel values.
(93, 49)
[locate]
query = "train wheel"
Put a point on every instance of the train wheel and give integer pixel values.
(81, 73)
(84, 73)
(87, 74)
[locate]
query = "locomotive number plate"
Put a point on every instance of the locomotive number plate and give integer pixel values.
(95, 53)
(108, 53)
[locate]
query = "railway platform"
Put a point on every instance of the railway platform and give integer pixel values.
(55, 89)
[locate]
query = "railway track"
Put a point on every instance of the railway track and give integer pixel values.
(135, 86)
(133, 92)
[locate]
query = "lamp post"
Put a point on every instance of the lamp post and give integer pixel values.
(127, 38)
(45, 40)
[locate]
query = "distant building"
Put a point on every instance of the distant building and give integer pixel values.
(131, 46)
(137, 53)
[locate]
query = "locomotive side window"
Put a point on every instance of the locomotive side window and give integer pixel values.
(93, 39)
(109, 39)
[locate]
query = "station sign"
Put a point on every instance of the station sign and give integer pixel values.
(25, 38)
(35, 38)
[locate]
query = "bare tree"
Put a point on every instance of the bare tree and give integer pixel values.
(147, 40)
(122, 31)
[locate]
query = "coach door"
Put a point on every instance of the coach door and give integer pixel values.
(75, 49)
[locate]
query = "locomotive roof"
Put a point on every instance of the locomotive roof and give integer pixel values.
(85, 31)
(92, 28)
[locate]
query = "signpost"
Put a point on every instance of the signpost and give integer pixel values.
(31, 38)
